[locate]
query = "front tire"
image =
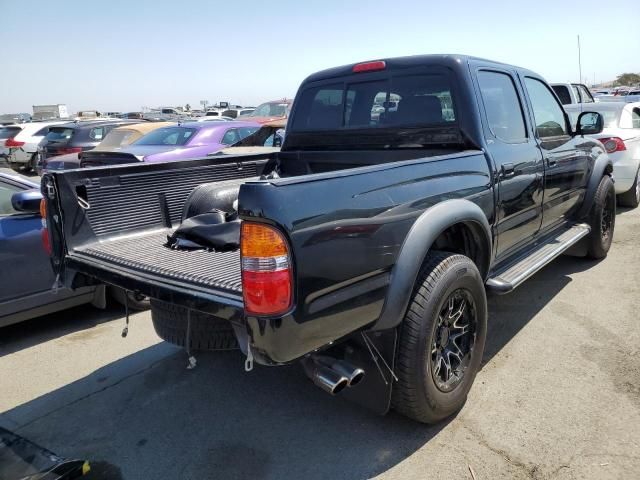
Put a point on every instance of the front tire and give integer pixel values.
(602, 219)
(441, 339)
(631, 198)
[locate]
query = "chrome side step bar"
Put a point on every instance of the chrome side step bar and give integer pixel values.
(513, 274)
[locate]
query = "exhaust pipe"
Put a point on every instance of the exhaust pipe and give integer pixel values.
(353, 374)
(327, 379)
(332, 375)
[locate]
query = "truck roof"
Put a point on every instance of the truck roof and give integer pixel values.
(451, 60)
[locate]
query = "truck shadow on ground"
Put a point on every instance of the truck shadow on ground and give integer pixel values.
(47, 327)
(152, 418)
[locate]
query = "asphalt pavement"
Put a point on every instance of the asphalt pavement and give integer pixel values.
(558, 395)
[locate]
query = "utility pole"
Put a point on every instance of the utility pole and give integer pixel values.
(579, 61)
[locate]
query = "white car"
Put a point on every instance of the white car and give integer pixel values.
(24, 146)
(621, 139)
(570, 93)
(7, 132)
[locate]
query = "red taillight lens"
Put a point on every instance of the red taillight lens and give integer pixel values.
(10, 142)
(369, 66)
(44, 233)
(613, 144)
(266, 270)
(64, 151)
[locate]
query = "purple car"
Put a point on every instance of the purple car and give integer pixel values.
(181, 141)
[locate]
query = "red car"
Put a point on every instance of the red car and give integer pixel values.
(270, 111)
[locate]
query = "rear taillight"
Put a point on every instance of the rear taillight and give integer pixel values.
(613, 144)
(266, 270)
(44, 233)
(10, 142)
(65, 150)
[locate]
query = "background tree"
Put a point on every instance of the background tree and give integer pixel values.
(628, 79)
(187, 107)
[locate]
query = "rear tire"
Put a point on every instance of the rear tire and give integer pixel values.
(449, 299)
(602, 219)
(207, 332)
(631, 198)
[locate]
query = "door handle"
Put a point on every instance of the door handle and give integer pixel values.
(552, 162)
(508, 170)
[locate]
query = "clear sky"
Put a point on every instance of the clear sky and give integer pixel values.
(124, 54)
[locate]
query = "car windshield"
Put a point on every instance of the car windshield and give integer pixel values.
(8, 132)
(168, 136)
(270, 110)
(116, 138)
(59, 134)
(610, 115)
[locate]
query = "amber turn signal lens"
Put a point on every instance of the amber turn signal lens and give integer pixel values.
(43, 208)
(261, 241)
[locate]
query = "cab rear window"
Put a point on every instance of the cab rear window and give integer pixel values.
(400, 101)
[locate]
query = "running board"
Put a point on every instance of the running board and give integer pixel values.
(513, 274)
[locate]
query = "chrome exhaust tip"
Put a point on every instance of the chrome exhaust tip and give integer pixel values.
(324, 377)
(353, 374)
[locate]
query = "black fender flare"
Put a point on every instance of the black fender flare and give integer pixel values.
(602, 166)
(417, 244)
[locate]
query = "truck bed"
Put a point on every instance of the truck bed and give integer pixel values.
(146, 254)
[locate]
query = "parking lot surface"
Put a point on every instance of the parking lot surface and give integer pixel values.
(558, 395)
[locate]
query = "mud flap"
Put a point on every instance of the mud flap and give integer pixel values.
(374, 391)
(21, 459)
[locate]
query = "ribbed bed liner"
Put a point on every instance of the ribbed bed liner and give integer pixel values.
(146, 253)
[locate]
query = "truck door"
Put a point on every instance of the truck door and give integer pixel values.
(566, 165)
(517, 159)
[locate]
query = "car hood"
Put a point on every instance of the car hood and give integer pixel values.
(264, 119)
(62, 162)
(142, 151)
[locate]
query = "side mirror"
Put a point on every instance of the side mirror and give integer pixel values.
(27, 201)
(589, 123)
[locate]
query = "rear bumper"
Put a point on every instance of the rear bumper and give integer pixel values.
(624, 171)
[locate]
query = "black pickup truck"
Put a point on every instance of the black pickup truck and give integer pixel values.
(404, 190)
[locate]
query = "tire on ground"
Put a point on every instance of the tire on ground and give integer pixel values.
(416, 394)
(602, 212)
(207, 332)
(630, 198)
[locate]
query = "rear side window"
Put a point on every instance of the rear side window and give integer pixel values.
(548, 114)
(59, 134)
(563, 94)
(42, 132)
(409, 100)
(230, 137)
(585, 95)
(8, 132)
(97, 133)
(167, 136)
(635, 118)
(501, 102)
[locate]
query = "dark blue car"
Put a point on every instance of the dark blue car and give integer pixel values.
(26, 276)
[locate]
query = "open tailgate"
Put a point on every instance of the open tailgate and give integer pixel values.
(110, 224)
